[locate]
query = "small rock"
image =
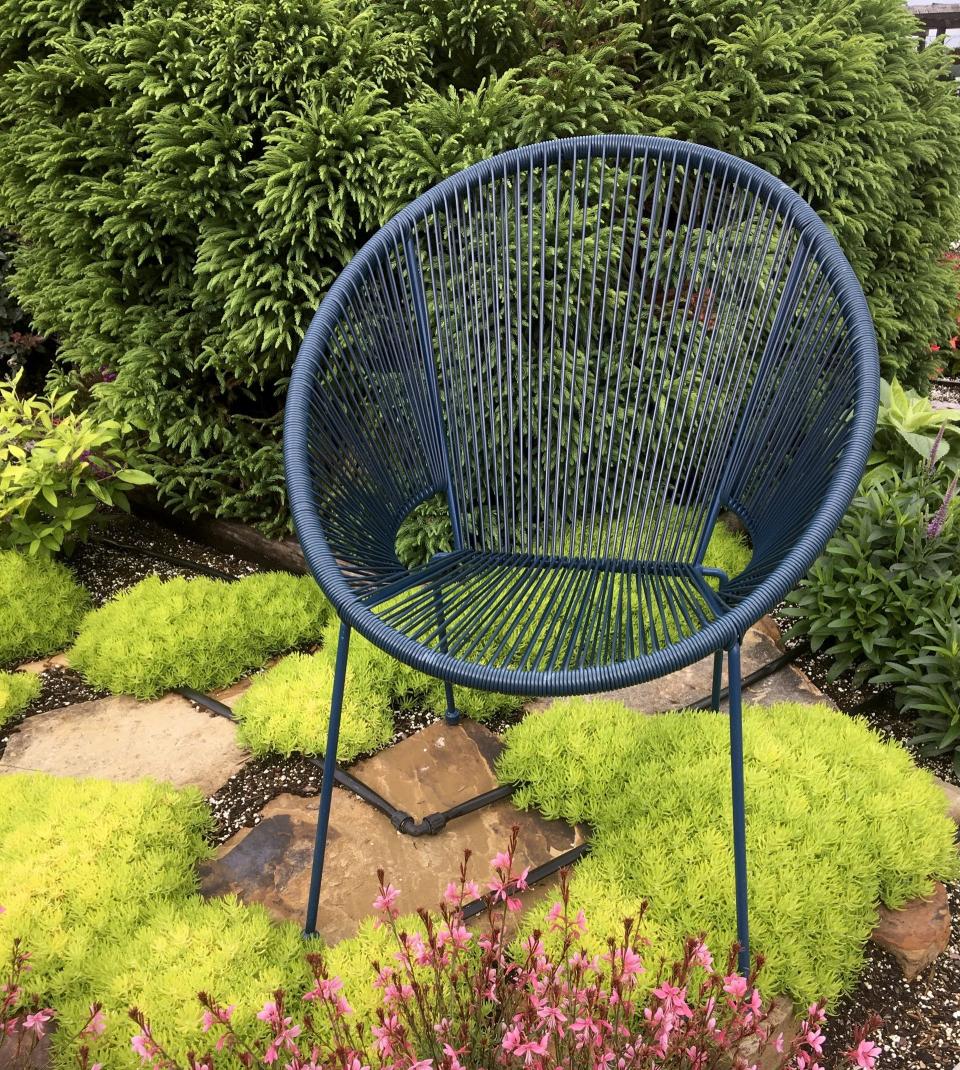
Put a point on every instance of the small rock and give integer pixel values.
(780, 1020)
(917, 933)
(952, 793)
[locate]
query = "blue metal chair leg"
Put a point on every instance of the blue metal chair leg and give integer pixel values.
(326, 785)
(739, 817)
(451, 714)
(717, 680)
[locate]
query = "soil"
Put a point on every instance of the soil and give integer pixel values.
(124, 552)
(945, 393)
(921, 1029)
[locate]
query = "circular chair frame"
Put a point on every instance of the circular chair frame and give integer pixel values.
(745, 605)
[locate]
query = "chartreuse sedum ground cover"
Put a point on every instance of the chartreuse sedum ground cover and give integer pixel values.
(42, 606)
(99, 879)
(17, 689)
(837, 822)
(199, 633)
(287, 708)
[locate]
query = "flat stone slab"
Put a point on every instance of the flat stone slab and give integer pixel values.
(429, 771)
(42, 664)
(916, 934)
(694, 683)
(434, 769)
(951, 794)
(120, 738)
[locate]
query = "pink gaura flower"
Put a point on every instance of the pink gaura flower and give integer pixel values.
(325, 988)
(456, 934)
(735, 985)
(702, 956)
(384, 903)
(96, 1025)
(143, 1046)
(501, 860)
(501, 893)
(269, 1013)
(674, 999)
(38, 1020)
(864, 1055)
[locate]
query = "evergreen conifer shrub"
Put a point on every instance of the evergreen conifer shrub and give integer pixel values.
(189, 176)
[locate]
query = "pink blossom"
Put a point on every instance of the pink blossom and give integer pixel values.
(501, 893)
(674, 1000)
(529, 1048)
(38, 1020)
(735, 985)
(501, 860)
(386, 1035)
(453, 1055)
(384, 903)
(456, 934)
(864, 1055)
(324, 989)
(143, 1046)
(96, 1025)
(269, 1013)
(702, 956)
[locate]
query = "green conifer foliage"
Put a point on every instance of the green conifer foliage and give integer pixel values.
(190, 175)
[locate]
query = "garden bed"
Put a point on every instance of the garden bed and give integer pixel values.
(922, 1025)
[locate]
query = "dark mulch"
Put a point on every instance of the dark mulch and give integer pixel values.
(240, 801)
(946, 392)
(921, 1029)
(105, 568)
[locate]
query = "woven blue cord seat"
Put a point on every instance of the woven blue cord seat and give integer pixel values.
(591, 348)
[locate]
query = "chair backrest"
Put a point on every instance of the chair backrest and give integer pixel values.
(593, 345)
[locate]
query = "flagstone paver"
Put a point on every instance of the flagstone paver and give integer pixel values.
(120, 738)
(429, 771)
(693, 684)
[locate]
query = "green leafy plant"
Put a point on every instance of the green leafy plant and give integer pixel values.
(56, 468)
(838, 821)
(19, 345)
(86, 862)
(426, 531)
(880, 576)
(926, 677)
(99, 882)
(908, 427)
(17, 691)
(42, 606)
(180, 230)
(199, 633)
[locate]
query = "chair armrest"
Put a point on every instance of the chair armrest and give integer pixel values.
(360, 439)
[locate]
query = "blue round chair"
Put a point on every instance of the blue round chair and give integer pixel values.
(591, 348)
